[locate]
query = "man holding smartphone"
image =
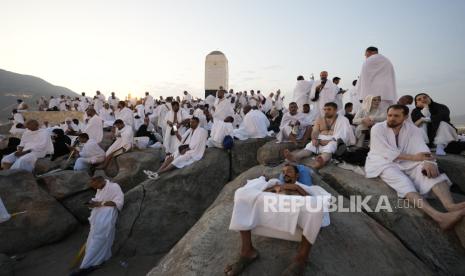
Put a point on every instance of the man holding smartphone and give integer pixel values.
(399, 155)
(106, 204)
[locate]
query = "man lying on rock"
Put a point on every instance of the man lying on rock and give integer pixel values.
(106, 204)
(399, 155)
(256, 209)
(193, 143)
(326, 132)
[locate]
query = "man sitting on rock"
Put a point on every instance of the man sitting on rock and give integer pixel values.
(124, 139)
(220, 129)
(108, 200)
(91, 153)
(325, 135)
(254, 125)
(192, 148)
(294, 126)
(399, 155)
(35, 144)
(254, 212)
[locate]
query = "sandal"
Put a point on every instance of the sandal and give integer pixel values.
(151, 175)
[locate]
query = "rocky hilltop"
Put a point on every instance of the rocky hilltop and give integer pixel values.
(178, 225)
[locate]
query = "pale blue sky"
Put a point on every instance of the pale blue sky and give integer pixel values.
(160, 46)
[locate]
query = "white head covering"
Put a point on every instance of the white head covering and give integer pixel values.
(367, 102)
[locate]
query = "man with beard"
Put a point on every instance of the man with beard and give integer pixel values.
(326, 132)
(402, 159)
(222, 107)
(294, 126)
(323, 91)
(250, 215)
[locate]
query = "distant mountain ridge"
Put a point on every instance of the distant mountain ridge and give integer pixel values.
(15, 86)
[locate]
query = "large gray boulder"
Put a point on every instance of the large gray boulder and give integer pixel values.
(244, 154)
(64, 184)
(45, 221)
(271, 153)
(71, 189)
(157, 213)
(131, 166)
(354, 244)
(454, 166)
(440, 250)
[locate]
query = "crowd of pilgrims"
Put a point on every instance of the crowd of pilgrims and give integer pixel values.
(184, 126)
(368, 126)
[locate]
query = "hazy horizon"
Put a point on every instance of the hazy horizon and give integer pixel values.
(160, 46)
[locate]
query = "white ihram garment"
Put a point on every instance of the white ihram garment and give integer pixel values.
(302, 92)
(94, 128)
(254, 125)
(377, 78)
(102, 225)
(197, 141)
(219, 130)
(40, 144)
(249, 212)
(402, 175)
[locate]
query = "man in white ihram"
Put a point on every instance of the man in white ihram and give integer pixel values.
(323, 91)
(302, 92)
(377, 78)
(254, 212)
(399, 155)
(35, 143)
(90, 153)
(220, 129)
(94, 125)
(222, 107)
(192, 148)
(106, 204)
(254, 125)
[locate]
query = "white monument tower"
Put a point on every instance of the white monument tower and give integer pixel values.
(216, 72)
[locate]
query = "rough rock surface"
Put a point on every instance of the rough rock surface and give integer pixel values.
(63, 184)
(131, 166)
(157, 213)
(46, 221)
(244, 154)
(71, 189)
(454, 166)
(44, 165)
(5, 128)
(440, 250)
(6, 265)
(272, 153)
(107, 140)
(343, 248)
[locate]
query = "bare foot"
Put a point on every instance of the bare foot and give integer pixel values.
(448, 220)
(456, 206)
(288, 155)
(319, 162)
(242, 263)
